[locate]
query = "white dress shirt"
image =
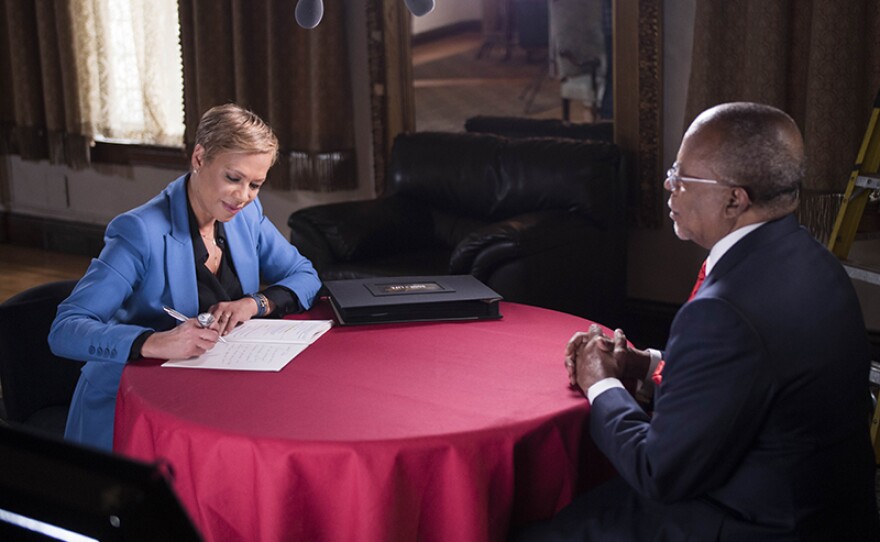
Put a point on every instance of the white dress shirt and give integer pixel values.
(646, 389)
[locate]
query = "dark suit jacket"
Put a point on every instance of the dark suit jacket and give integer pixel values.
(761, 422)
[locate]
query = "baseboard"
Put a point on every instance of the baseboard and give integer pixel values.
(51, 234)
(461, 27)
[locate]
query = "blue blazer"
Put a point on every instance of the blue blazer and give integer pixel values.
(760, 427)
(147, 263)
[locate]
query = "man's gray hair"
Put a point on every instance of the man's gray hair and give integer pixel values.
(760, 148)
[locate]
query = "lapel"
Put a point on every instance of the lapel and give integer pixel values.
(242, 251)
(769, 233)
(179, 260)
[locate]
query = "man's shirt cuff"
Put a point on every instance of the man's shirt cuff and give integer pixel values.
(646, 390)
(602, 386)
(656, 356)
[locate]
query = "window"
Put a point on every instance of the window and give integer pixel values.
(130, 70)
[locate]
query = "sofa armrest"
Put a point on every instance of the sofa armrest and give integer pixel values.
(354, 230)
(528, 234)
(310, 241)
(558, 260)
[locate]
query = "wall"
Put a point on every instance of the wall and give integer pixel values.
(661, 267)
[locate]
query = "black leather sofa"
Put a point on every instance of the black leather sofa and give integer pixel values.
(539, 220)
(516, 127)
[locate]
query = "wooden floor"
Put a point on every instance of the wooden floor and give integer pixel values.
(445, 47)
(22, 268)
(452, 83)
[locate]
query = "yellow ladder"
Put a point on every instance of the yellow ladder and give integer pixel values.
(862, 181)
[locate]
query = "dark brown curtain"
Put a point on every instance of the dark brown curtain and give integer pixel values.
(819, 60)
(252, 52)
(392, 99)
(39, 116)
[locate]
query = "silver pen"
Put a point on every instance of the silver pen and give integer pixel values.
(204, 319)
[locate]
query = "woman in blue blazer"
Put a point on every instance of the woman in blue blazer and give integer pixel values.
(201, 245)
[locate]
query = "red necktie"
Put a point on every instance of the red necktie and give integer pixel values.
(657, 377)
(701, 276)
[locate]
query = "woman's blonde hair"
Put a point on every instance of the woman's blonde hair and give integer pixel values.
(232, 128)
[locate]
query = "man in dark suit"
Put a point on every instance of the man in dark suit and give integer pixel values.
(759, 428)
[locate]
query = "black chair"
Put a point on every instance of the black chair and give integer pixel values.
(37, 385)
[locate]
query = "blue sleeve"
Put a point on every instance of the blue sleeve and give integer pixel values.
(281, 264)
(88, 324)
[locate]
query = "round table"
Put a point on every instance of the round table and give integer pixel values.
(420, 431)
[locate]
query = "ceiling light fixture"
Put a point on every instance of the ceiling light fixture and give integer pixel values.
(309, 12)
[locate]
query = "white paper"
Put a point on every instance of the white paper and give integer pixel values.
(279, 331)
(258, 345)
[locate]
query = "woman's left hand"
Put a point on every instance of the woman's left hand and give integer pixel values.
(229, 314)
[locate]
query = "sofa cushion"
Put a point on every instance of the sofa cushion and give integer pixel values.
(490, 178)
(544, 174)
(450, 229)
(361, 229)
(456, 173)
(518, 127)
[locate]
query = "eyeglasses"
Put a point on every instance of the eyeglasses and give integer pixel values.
(674, 181)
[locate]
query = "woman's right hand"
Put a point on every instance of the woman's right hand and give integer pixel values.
(185, 341)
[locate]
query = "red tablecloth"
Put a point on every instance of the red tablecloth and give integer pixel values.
(424, 431)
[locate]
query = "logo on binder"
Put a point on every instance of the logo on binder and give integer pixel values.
(402, 288)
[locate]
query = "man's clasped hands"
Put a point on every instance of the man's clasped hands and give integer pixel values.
(591, 356)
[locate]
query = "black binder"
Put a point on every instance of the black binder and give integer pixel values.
(412, 299)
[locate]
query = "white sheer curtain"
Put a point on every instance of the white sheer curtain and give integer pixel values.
(130, 70)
